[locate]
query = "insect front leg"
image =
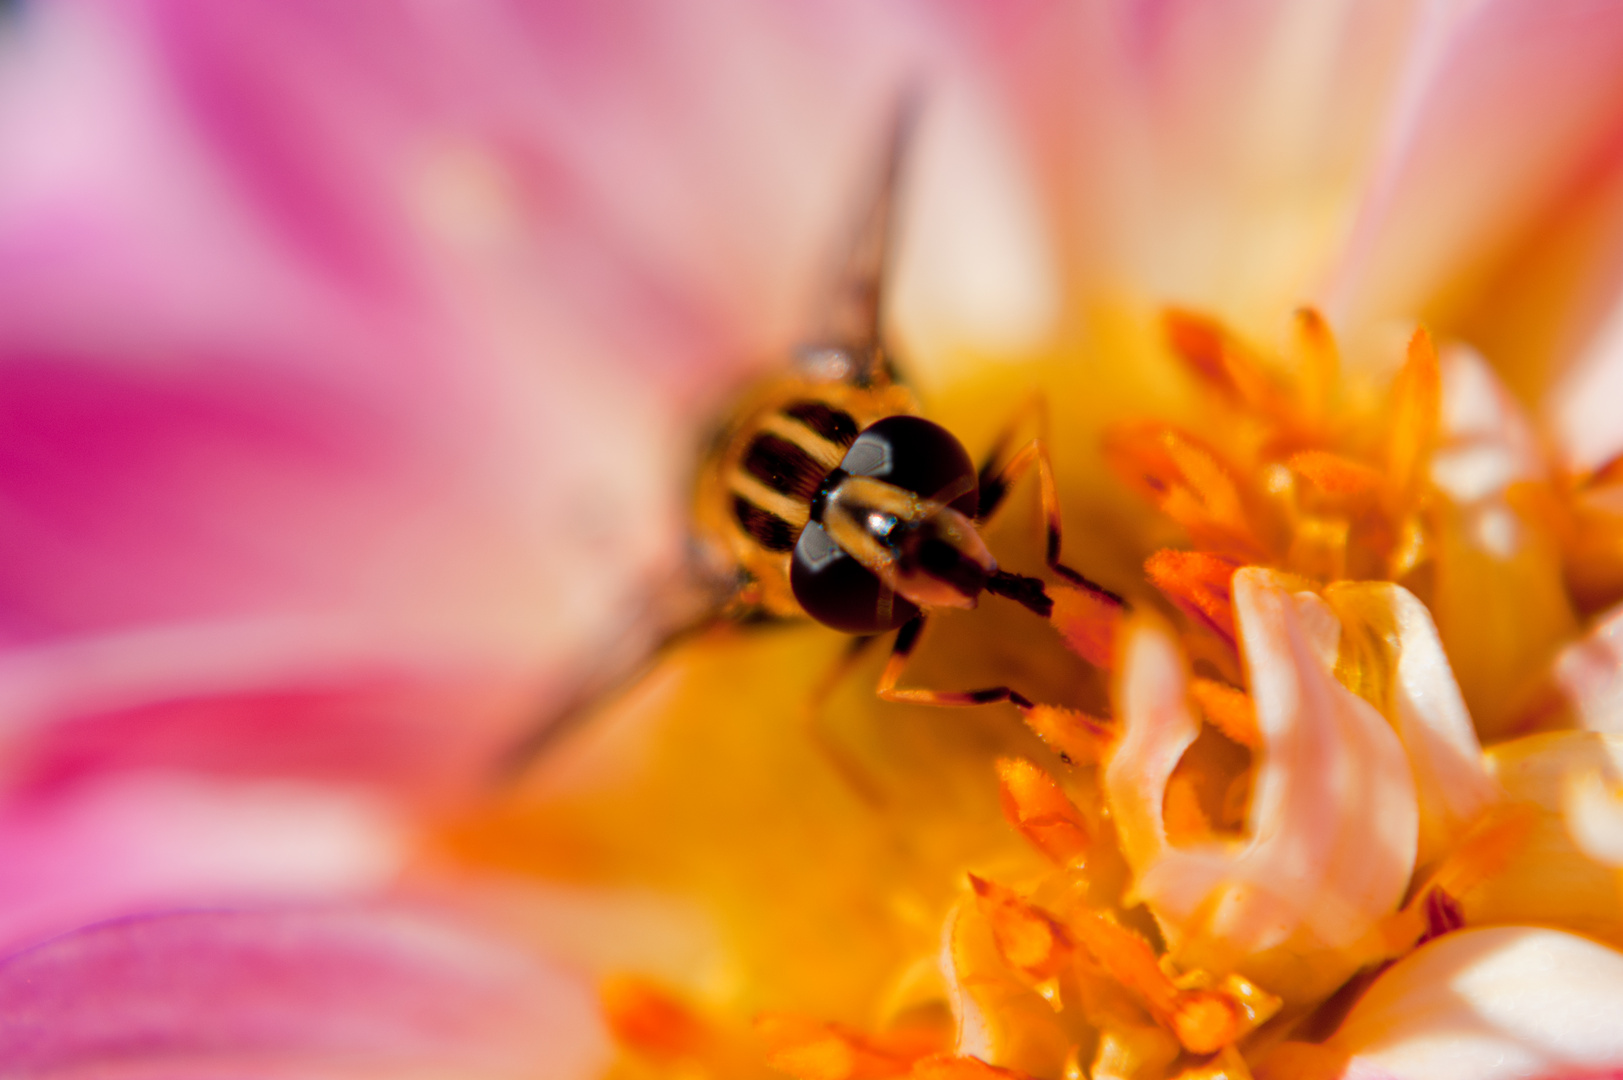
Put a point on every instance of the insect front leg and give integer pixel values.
(907, 639)
(1007, 462)
(839, 756)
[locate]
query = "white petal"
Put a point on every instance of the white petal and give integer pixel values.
(1333, 821)
(1491, 1003)
(1594, 812)
(1429, 715)
(1158, 727)
(1589, 674)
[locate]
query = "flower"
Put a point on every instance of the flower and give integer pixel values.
(349, 352)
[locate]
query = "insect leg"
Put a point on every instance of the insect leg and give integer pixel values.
(839, 756)
(907, 639)
(1002, 469)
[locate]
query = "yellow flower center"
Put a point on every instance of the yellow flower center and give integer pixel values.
(980, 905)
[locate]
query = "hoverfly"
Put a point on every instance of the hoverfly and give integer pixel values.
(827, 495)
(831, 497)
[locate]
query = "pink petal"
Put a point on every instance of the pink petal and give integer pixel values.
(390, 324)
(1500, 108)
(1484, 1004)
(144, 841)
(293, 994)
(1207, 155)
(269, 698)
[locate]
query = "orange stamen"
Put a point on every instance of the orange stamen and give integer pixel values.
(1027, 937)
(1221, 359)
(1335, 475)
(1228, 710)
(1078, 739)
(1313, 356)
(1129, 960)
(1188, 481)
(1034, 804)
(1416, 416)
(1087, 620)
(1200, 584)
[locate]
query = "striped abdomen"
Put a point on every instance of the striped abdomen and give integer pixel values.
(781, 467)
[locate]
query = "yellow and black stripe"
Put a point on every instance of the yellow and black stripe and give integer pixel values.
(782, 465)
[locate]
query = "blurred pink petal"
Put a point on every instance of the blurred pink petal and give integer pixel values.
(326, 993)
(1484, 1004)
(1198, 154)
(145, 841)
(388, 323)
(1500, 108)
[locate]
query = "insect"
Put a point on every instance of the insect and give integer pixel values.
(831, 497)
(825, 494)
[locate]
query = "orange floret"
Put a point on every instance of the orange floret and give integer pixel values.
(1228, 710)
(1078, 739)
(1087, 620)
(1027, 937)
(1336, 475)
(1200, 584)
(1416, 416)
(645, 1017)
(1034, 804)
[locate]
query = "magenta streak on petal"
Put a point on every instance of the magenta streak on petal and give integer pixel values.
(293, 993)
(127, 496)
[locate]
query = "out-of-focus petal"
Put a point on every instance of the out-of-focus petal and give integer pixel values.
(1498, 595)
(396, 320)
(1589, 675)
(1499, 107)
(329, 993)
(1206, 156)
(1499, 1002)
(1392, 633)
(1594, 813)
(260, 698)
(1331, 831)
(1551, 879)
(144, 841)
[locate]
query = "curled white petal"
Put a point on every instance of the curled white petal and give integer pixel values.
(1430, 717)
(1332, 829)
(1158, 728)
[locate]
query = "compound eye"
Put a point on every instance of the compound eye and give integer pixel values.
(916, 455)
(838, 591)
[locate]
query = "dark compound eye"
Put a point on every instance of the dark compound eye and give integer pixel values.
(920, 456)
(838, 591)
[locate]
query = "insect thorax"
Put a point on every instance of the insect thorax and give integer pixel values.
(756, 485)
